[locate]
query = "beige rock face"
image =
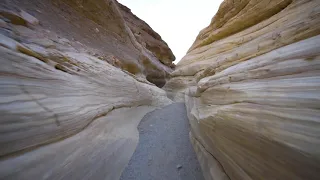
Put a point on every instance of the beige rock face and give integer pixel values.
(66, 113)
(251, 83)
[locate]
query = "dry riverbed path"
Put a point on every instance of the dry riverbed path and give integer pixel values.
(164, 151)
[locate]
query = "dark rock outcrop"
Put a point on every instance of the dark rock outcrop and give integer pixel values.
(146, 36)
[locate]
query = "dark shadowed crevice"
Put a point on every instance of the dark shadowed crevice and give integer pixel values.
(158, 81)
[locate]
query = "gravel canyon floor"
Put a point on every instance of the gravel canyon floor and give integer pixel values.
(80, 81)
(164, 150)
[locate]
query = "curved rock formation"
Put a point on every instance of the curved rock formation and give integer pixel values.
(106, 31)
(251, 86)
(73, 87)
(66, 113)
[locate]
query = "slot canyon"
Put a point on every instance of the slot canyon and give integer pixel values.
(88, 90)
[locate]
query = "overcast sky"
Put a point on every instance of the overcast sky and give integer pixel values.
(177, 21)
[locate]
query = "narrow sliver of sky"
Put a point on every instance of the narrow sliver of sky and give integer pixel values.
(177, 21)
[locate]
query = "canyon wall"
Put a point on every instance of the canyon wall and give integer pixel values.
(251, 84)
(73, 89)
(106, 30)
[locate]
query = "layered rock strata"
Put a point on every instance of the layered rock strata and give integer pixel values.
(251, 84)
(66, 111)
(107, 31)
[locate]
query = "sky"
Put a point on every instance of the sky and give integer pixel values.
(177, 21)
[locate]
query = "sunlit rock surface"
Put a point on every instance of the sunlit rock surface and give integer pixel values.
(69, 106)
(251, 83)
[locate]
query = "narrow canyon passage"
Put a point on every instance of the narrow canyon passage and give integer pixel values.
(164, 150)
(80, 95)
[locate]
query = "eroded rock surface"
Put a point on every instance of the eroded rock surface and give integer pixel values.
(66, 111)
(150, 39)
(105, 29)
(251, 86)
